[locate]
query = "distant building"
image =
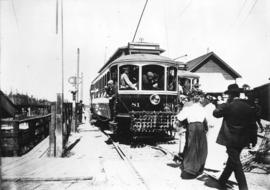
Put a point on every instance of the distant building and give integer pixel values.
(215, 74)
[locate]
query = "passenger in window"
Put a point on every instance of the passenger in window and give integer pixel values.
(186, 87)
(150, 81)
(125, 82)
(180, 86)
(171, 80)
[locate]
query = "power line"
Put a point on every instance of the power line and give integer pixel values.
(185, 8)
(14, 12)
(251, 9)
(241, 9)
(238, 15)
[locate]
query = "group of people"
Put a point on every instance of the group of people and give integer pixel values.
(238, 130)
(150, 80)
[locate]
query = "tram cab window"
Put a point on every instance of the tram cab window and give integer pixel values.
(152, 77)
(171, 78)
(129, 75)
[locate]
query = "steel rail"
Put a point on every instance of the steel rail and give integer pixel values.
(127, 161)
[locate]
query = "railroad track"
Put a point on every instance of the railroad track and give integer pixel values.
(127, 161)
(175, 158)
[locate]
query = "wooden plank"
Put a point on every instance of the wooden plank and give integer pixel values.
(53, 169)
(8, 163)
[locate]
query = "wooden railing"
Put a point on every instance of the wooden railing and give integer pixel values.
(18, 136)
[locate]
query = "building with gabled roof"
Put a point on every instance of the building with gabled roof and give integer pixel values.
(215, 74)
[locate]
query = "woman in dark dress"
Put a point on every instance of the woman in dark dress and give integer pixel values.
(195, 152)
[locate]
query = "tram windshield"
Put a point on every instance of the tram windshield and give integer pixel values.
(129, 75)
(152, 77)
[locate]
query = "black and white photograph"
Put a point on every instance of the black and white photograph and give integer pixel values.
(134, 94)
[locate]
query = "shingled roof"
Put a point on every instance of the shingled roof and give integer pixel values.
(195, 64)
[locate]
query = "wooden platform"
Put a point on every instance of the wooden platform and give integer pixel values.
(36, 166)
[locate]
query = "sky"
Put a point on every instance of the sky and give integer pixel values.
(238, 31)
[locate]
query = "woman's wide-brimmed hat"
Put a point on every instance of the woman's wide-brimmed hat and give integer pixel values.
(232, 88)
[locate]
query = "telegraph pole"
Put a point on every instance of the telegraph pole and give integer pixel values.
(77, 75)
(81, 86)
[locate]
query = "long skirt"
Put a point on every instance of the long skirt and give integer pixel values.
(195, 152)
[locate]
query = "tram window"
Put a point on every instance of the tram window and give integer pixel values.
(187, 86)
(108, 77)
(152, 77)
(171, 78)
(129, 75)
(195, 81)
(103, 82)
(113, 72)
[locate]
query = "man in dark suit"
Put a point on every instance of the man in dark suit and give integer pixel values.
(237, 131)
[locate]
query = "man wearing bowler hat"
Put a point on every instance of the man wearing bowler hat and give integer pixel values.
(238, 130)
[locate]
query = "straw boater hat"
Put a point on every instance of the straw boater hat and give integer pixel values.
(150, 74)
(232, 88)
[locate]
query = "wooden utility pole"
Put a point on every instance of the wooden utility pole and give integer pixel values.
(59, 126)
(78, 76)
(52, 132)
(81, 98)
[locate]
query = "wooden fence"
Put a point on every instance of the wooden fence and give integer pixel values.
(18, 136)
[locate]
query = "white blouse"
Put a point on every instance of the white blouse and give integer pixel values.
(193, 113)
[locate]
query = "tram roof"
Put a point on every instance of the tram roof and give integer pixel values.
(134, 48)
(146, 58)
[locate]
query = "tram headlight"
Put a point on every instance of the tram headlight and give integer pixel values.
(154, 99)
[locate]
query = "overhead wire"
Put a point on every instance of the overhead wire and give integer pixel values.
(241, 13)
(185, 8)
(14, 12)
(251, 9)
(241, 9)
(238, 15)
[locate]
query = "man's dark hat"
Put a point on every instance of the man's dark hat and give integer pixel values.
(233, 88)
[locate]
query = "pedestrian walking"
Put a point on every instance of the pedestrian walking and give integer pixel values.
(195, 151)
(237, 131)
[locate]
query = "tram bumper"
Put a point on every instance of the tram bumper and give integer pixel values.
(152, 122)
